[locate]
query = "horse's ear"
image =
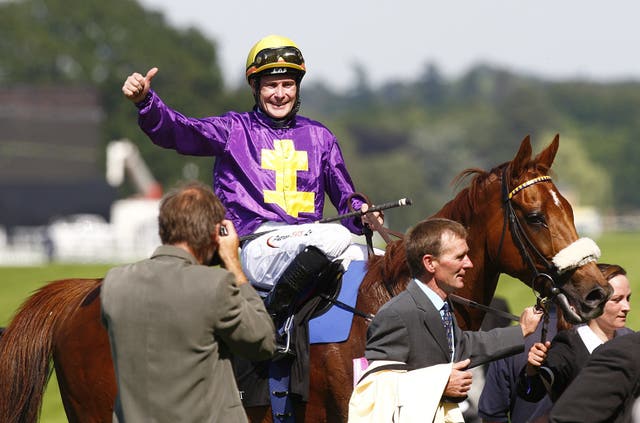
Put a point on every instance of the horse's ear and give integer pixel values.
(522, 159)
(547, 155)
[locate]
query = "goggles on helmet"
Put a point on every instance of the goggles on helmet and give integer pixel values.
(273, 55)
(268, 57)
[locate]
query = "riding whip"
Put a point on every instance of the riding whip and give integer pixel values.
(400, 203)
(385, 206)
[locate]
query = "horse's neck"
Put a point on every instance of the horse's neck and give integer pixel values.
(482, 279)
(479, 286)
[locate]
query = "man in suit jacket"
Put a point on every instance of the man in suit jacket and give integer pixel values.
(409, 328)
(606, 389)
(173, 321)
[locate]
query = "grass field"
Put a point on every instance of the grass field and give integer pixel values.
(17, 283)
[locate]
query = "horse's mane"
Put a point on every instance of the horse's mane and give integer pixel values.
(388, 275)
(471, 198)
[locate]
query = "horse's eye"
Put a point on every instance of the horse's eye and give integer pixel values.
(536, 218)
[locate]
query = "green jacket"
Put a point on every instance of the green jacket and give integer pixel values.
(173, 325)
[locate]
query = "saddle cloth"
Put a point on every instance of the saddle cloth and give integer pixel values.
(335, 324)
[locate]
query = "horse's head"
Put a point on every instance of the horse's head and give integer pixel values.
(539, 243)
(518, 224)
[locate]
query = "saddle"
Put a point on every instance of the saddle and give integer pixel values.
(282, 381)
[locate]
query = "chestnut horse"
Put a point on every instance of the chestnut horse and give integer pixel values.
(517, 221)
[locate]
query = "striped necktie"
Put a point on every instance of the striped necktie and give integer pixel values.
(447, 321)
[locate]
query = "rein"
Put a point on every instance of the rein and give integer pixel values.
(366, 316)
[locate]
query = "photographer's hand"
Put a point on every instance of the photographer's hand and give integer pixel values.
(228, 251)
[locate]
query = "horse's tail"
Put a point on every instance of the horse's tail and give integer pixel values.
(27, 343)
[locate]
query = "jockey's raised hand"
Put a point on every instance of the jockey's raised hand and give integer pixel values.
(136, 86)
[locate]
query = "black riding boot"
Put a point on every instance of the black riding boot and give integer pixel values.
(295, 280)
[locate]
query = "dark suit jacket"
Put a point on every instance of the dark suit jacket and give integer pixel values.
(173, 325)
(408, 328)
(566, 357)
(606, 388)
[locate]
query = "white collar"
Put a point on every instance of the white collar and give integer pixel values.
(589, 338)
(430, 293)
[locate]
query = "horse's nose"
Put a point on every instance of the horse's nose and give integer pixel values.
(598, 295)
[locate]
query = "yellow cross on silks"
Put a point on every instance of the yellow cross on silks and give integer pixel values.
(286, 161)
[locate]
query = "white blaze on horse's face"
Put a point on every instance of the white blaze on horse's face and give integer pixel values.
(556, 198)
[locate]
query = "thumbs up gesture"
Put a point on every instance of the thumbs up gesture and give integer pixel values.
(136, 86)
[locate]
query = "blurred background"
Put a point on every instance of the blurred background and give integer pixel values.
(416, 92)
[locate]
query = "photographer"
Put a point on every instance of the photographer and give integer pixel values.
(173, 321)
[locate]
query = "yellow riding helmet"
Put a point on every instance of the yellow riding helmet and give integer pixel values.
(277, 53)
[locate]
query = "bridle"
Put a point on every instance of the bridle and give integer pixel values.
(526, 247)
(576, 254)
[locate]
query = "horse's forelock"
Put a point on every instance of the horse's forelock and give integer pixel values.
(476, 190)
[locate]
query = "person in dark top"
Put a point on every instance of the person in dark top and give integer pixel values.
(552, 366)
(499, 401)
(607, 388)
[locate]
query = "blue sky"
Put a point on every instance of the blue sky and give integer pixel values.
(557, 39)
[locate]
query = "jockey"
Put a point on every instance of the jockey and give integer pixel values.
(273, 168)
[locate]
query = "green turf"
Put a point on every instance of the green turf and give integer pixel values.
(16, 284)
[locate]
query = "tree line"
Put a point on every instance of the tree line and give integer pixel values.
(406, 138)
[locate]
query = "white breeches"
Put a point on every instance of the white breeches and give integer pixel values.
(267, 256)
